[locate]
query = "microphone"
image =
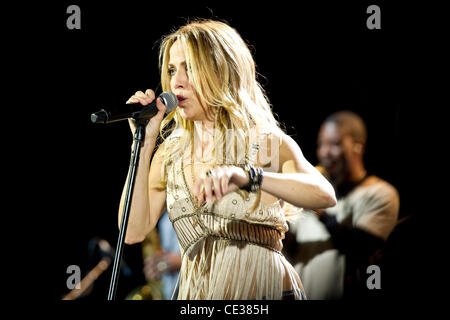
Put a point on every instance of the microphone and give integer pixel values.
(134, 110)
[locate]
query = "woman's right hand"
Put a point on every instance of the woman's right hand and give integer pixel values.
(152, 129)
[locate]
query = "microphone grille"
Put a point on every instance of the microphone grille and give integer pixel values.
(170, 100)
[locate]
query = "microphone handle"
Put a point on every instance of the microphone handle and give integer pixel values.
(122, 112)
(146, 112)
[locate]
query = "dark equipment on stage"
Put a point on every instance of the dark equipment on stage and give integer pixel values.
(98, 250)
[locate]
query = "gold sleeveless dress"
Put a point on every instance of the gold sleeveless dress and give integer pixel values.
(229, 252)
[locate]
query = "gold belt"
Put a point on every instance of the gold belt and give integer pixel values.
(204, 225)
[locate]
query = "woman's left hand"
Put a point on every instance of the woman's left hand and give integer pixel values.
(219, 181)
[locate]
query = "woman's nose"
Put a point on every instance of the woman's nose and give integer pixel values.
(180, 79)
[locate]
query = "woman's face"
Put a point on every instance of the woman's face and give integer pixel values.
(189, 105)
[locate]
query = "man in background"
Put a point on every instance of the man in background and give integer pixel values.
(332, 249)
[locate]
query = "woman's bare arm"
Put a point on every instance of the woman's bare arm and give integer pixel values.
(294, 179)
(148, 200)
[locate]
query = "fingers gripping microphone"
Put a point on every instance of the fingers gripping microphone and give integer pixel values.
(134, 110)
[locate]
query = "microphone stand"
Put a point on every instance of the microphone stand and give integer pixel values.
(139, 136)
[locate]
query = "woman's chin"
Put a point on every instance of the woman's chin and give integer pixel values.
(183, 114)
(186, 115)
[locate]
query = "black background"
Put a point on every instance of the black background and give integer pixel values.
(313, 58)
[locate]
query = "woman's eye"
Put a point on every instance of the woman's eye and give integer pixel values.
(171, 72)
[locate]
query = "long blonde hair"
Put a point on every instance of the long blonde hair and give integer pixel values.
(223, 74)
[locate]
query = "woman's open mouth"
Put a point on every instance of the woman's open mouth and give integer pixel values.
(181, 100)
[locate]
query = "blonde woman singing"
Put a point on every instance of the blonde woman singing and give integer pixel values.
(223, 171)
